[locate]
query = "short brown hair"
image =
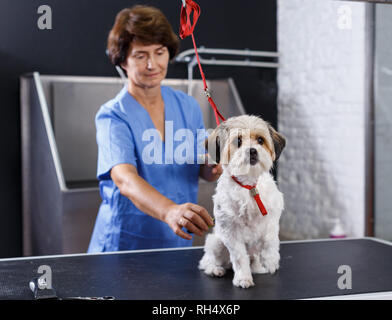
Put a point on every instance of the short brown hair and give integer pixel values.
(139, 23)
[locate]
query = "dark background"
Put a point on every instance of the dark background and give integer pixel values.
(76, 46)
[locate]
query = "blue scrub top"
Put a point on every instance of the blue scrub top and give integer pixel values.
(126, 134)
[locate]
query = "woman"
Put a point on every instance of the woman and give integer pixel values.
(147, 204)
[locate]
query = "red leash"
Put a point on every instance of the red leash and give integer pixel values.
(255, 194)
(186, 29)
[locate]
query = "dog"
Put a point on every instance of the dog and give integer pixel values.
(247, 202)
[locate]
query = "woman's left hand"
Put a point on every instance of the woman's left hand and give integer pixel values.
(216, 170)
(211, 172)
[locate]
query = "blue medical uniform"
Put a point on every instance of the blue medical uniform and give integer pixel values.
(126, 134)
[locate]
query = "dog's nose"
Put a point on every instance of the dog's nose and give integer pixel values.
(253, 156)
(253, 152)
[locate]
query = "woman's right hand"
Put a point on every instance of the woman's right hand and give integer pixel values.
(189, 215)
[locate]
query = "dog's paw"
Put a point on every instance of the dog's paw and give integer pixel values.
(243, 282)
(258, 268)
(214, 271)
(271, 267)
(270, 261)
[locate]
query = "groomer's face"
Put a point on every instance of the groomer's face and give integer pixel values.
(146, 65)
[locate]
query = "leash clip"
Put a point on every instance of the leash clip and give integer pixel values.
(254, 192)
(207, 93)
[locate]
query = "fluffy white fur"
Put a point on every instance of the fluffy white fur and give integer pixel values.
(243, 238)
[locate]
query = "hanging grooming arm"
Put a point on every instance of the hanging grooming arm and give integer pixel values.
(189, 57)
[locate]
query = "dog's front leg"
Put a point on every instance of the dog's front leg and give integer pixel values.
(241, 264)
(270, 253)
(255, 258)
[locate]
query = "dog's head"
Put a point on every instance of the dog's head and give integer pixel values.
(245, 145)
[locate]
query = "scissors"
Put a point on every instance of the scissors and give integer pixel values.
(41, 292)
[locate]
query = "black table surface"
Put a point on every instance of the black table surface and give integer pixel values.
(308, 269)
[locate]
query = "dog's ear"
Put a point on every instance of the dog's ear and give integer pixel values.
(215, 142)
(278, 140)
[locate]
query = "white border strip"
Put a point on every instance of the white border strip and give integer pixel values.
(383, 295)
(176, 249)
(339, 239)
(97, 253)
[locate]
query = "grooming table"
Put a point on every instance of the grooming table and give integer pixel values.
(308, 269)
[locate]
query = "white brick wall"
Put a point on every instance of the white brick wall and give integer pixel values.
(321, 111)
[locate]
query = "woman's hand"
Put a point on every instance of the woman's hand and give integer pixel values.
(189, 215)
(210, 172)
(216, 171)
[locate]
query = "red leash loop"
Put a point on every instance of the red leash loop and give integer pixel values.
(186, 29)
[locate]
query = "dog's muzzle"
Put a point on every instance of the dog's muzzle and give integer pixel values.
(253, 156)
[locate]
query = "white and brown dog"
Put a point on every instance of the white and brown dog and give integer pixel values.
(247, 202)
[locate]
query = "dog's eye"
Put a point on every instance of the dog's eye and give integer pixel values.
(239, 141)
(260, 140)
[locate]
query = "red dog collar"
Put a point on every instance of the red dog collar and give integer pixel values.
(255, 194)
